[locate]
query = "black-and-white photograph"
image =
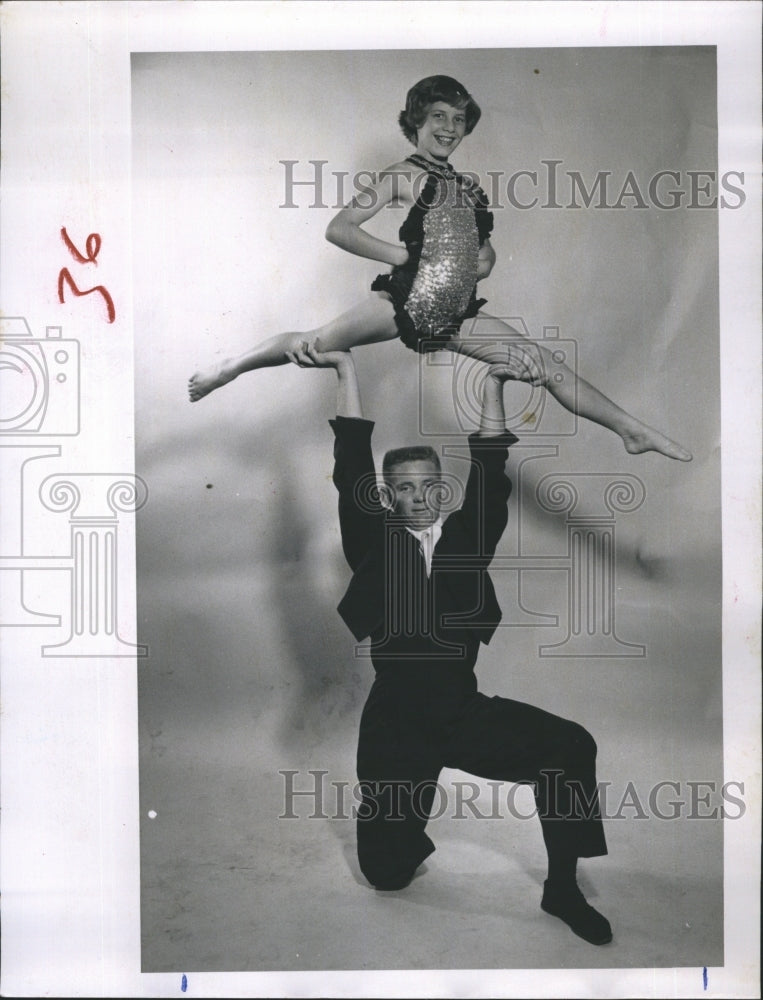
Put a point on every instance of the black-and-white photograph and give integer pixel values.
(318, 711)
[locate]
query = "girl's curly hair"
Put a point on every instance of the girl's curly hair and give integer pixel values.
(427, 92)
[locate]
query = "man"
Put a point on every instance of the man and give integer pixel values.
(420, 589)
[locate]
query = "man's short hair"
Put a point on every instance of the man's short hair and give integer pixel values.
(412, 453)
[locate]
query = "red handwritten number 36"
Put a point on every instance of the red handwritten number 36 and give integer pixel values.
(92, 246)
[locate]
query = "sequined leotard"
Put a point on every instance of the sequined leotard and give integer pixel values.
(434, 291)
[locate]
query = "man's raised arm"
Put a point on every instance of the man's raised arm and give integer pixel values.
(516, 369)
(360, 510)
(484, 511)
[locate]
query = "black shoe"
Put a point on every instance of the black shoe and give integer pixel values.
(394, 884)
(570, 906)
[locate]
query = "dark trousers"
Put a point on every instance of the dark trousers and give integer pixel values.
(417, 721)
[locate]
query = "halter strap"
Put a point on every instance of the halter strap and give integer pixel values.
(444, 169)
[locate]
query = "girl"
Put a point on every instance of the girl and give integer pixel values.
(431, 288)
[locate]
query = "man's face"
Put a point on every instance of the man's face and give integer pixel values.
(415, 492)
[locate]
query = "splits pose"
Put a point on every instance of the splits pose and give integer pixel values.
(420, 590)
(429, 298)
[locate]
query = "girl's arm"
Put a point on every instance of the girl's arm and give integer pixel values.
(485, 260)
(345, 231)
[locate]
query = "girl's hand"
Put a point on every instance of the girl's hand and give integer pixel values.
(520, 366)
(348, 394)
(485, 260)
(484, 267)
(310, 356)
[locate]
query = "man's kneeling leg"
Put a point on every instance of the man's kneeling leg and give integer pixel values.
(390, 829)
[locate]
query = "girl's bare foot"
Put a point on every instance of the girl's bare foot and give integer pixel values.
(643, 438)
(201, 384)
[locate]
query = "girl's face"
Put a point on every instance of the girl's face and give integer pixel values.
(441, 131)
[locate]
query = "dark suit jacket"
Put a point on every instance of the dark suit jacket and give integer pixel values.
(461, 557)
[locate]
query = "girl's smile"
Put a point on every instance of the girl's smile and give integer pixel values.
(441, 131)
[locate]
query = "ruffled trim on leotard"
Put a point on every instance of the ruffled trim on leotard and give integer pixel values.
(482, 215)
(413, 338)
(405, 326)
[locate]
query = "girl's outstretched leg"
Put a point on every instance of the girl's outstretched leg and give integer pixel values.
(637, 436)
(573, 392)
(368, 323)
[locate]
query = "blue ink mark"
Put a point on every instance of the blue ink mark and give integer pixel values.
(184, 982)
(704, 977)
